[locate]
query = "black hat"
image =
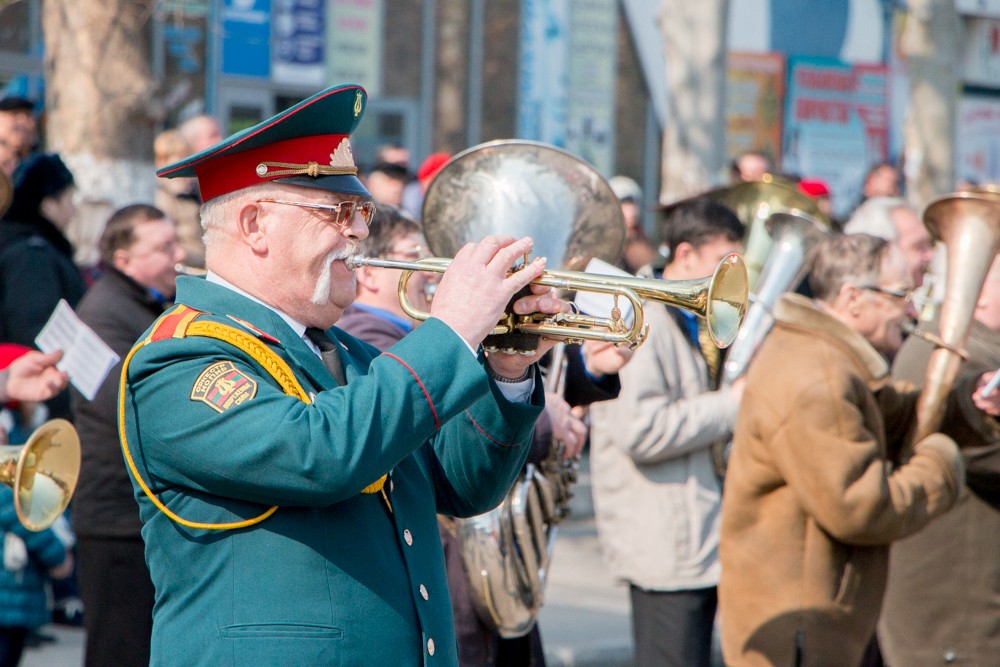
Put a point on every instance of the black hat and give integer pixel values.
(40, 176)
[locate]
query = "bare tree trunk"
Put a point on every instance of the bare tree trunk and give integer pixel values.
(100, 105)
(694, 38)
(452, 75)
(930, 43)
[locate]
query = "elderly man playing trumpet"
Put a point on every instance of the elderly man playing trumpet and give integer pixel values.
(287, 474)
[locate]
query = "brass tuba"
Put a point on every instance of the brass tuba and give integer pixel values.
(968, 223)
(521, 188)
(525, 188)
(42, 473)
(754, 202)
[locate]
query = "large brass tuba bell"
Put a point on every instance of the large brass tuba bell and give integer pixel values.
(968, 223)
(42, 473)
(754, 202)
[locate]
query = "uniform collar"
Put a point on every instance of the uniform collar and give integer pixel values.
(225, 300)
(295, 325)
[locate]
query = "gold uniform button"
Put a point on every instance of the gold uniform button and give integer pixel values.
(408, 537)
(430, 647)
(423, 592)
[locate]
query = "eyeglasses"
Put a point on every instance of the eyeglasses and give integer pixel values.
(340, 214)
(413, 252)
(906, 296)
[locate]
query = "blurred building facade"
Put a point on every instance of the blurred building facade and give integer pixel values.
(817, 85)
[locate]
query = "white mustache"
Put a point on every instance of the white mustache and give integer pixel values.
(321, 295)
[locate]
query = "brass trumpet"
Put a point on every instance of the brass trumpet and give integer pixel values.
(721, 299)
(42, 473)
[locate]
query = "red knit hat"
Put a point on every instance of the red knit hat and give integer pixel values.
(814, 187)
(431, 166)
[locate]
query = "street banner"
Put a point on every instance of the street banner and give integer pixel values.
(246, 30)
(977, 140)
(299, 30)
(755, 89)
(542, 71)
(981, 52)
(590, 113)
(354, 43)
(835, 124)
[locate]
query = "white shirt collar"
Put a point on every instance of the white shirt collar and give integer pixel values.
(297, 327)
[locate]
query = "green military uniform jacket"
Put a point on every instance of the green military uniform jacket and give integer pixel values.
(333, 577)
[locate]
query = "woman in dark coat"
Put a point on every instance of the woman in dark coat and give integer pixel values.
(36, 258)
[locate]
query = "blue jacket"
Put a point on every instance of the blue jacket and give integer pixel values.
(23, 602)
(333, 577)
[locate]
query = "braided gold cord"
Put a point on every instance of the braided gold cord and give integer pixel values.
(313, 169)
(263, 355)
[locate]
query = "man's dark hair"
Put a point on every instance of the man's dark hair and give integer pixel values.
(388, 224)
(699, 221)
(17, 104)
(392, 170)
(119, 232)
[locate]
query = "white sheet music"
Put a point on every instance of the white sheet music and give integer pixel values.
(86, 358)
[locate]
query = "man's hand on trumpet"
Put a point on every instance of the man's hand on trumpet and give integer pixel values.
(476, 288)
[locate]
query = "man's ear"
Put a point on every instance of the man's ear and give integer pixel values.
(48, 207)
(364, 277)
(682, 252)
(849, 296)
(120, 260)
(250, 229)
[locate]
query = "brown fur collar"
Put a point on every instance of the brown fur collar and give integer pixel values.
(795, 310)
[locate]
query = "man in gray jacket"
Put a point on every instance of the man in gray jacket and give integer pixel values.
(656, 494)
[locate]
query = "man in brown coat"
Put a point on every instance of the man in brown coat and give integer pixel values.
(812, 497)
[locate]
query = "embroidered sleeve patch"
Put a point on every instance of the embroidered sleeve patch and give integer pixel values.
(222, 385)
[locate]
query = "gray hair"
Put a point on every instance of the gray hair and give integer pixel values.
(874, 217)
(216, 212)
(846, 258)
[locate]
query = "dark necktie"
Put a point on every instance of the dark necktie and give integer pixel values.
(329, 352)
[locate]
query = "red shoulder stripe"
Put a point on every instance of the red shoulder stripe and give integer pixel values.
(174, 324)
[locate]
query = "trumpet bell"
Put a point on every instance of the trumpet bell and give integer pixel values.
(42, 473)
(727, 300)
